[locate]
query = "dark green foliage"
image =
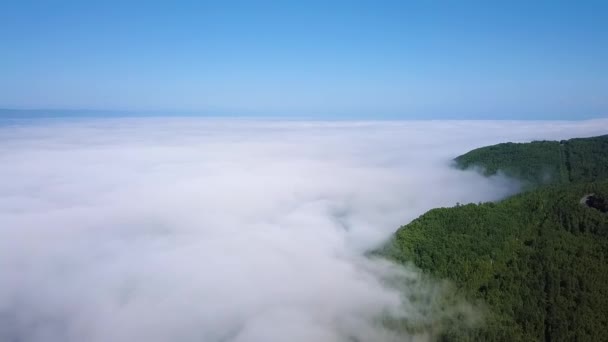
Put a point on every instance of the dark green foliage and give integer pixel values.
(538, 260)
(543, 162)
(536, 263)
(587, 159)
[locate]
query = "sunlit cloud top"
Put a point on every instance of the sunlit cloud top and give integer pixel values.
(171, 229)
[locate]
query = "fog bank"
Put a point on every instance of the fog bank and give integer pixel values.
(184, 229)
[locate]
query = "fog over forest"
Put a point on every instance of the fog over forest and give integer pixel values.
(191, 229)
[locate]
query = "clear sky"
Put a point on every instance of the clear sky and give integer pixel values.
(392, 59)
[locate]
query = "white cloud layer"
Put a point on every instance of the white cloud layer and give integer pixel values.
(182, 229)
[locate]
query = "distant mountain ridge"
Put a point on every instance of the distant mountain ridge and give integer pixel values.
(538, 261)
(543, 162)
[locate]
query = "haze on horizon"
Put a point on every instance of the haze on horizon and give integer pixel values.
(161, 227)
(363, 59)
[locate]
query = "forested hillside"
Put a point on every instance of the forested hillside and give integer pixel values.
(543, 162)
(536, 263)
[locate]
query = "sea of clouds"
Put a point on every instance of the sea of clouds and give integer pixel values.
(186, 229)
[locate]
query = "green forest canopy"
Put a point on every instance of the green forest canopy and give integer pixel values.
(537, 261)
(543, 162)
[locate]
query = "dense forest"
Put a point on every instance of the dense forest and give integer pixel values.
(543, 162)
(536, 264)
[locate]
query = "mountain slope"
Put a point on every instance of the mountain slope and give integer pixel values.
(538, 261)
(543, 162)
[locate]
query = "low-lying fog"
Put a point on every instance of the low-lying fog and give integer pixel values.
(185, 229)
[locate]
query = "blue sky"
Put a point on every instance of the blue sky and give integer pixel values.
(389, 59)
